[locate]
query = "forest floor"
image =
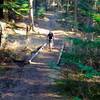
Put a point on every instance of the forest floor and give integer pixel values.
(35, 81)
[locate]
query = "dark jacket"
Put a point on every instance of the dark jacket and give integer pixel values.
(50, 35)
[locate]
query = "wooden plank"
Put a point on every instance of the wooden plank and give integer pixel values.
(59, 58)
(34, 55)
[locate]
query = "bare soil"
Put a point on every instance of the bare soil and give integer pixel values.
(35, 81)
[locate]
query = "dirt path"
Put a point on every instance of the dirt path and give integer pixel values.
(34, 81)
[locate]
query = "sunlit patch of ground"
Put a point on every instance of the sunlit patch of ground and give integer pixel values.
(50, 95)
(74, 34)
(31, 97)
(20, 31)
(10, 31)
(59, 31)
(8, 94)
(98, 36)
(45, 70)
(46, 19)
(47, 50)
(67, 33)
(41, 30)
(13, 46)
(49, 14)
(9, 66)
(37, 63)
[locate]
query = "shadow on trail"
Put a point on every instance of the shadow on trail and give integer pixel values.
(9, 86)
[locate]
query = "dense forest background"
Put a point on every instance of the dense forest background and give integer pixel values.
(80, 59)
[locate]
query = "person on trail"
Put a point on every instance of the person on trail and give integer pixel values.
(50, 40)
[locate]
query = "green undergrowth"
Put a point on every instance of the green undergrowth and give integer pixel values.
(80, 63)
(83, 53)
(78, 90)
(53, 65)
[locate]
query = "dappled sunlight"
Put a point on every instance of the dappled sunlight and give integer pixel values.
(43, 69)
(46, 19)
(42, 57)
(74, 34)
(50, 95)
(30, 87)
(55, 50)
(37, 66)
(42, 31)
(13, 46)
(59, 31)
(70, 32)
(20, 32)
(98, 36)
(29, 81)
(34, 96)
(8, 94)
(49, 14)
(36, 63)
(25, 80)
(34, 78)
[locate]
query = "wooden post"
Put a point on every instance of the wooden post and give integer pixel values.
(59, 58)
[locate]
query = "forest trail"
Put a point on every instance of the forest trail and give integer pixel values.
(35, 81)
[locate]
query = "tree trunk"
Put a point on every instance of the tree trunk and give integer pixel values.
(31, 13)
(5, 11)
(95, 5)
(1, 9)
(75, 23)
(67, 9)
